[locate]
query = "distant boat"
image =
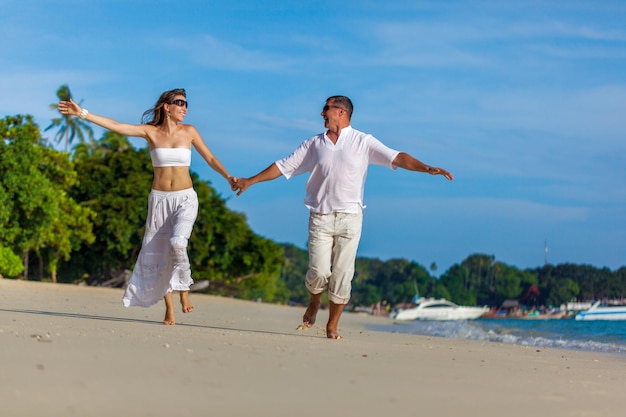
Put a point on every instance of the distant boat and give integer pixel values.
(438, 309)
(577, 306)
(600, 311)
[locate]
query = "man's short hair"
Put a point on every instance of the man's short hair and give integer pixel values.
(344, 102)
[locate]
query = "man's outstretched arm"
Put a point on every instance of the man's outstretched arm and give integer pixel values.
(406, 161)
(270, 173)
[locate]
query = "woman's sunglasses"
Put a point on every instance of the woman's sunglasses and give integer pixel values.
(179, 102)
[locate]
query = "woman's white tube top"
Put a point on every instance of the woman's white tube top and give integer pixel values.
(170, 157)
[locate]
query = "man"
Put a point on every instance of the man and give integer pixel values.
(337, 161)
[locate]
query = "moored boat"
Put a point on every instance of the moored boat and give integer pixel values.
(438, 309)
(601, 311)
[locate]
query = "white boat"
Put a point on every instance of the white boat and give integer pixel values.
(600, 311)
(438, 309)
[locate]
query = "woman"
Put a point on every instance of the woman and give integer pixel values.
(163, 263)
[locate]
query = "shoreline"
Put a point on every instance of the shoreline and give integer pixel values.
(70, 350)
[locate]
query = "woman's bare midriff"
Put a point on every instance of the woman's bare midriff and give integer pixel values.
(171, 179)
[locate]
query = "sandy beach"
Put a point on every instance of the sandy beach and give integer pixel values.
(76, 351)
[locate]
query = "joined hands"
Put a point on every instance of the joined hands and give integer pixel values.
(239, 184)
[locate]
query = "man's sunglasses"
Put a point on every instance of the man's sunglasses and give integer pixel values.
(179, 102)
(326, 107)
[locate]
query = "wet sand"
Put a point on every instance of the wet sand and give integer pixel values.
(76, 351)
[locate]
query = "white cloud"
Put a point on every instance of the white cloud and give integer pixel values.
(212, 52)
(492, 209)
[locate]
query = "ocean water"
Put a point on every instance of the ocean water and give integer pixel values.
(592, 336)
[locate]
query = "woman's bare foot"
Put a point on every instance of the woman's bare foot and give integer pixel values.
(169, 310)
(308, 320)
(185, 302)
(169, 318)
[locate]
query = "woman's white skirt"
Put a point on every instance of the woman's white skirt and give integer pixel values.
(163, 264)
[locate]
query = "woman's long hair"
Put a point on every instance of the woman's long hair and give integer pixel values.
(156, 115)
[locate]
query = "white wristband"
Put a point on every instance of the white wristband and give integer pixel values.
(83, 113)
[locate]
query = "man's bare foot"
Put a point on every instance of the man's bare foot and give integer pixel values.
(334, 313)
(185, 302)
(333, 335)
(308, 320)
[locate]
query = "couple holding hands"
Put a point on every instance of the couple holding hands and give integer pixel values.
(336, 160)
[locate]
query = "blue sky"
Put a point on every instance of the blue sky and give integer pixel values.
(524, 102)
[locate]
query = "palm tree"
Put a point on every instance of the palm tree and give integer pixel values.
(69, 127)
(433, 268)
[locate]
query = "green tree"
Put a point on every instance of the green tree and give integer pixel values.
(620, 283)
(293, 272)
(456, 281)
(482, 272)
(69, 126)
(440, 291)
(394, 281)
(10, 263)
(433, 268)
(72, 222)
(507, 283)
(224, 250)
(561, 291)
(115, 180)
(593, 283)
(33, 184)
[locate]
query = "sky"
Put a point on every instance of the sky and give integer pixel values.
(524, 102)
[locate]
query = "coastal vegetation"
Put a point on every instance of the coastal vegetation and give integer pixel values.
(78, 217)
(478, 280)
